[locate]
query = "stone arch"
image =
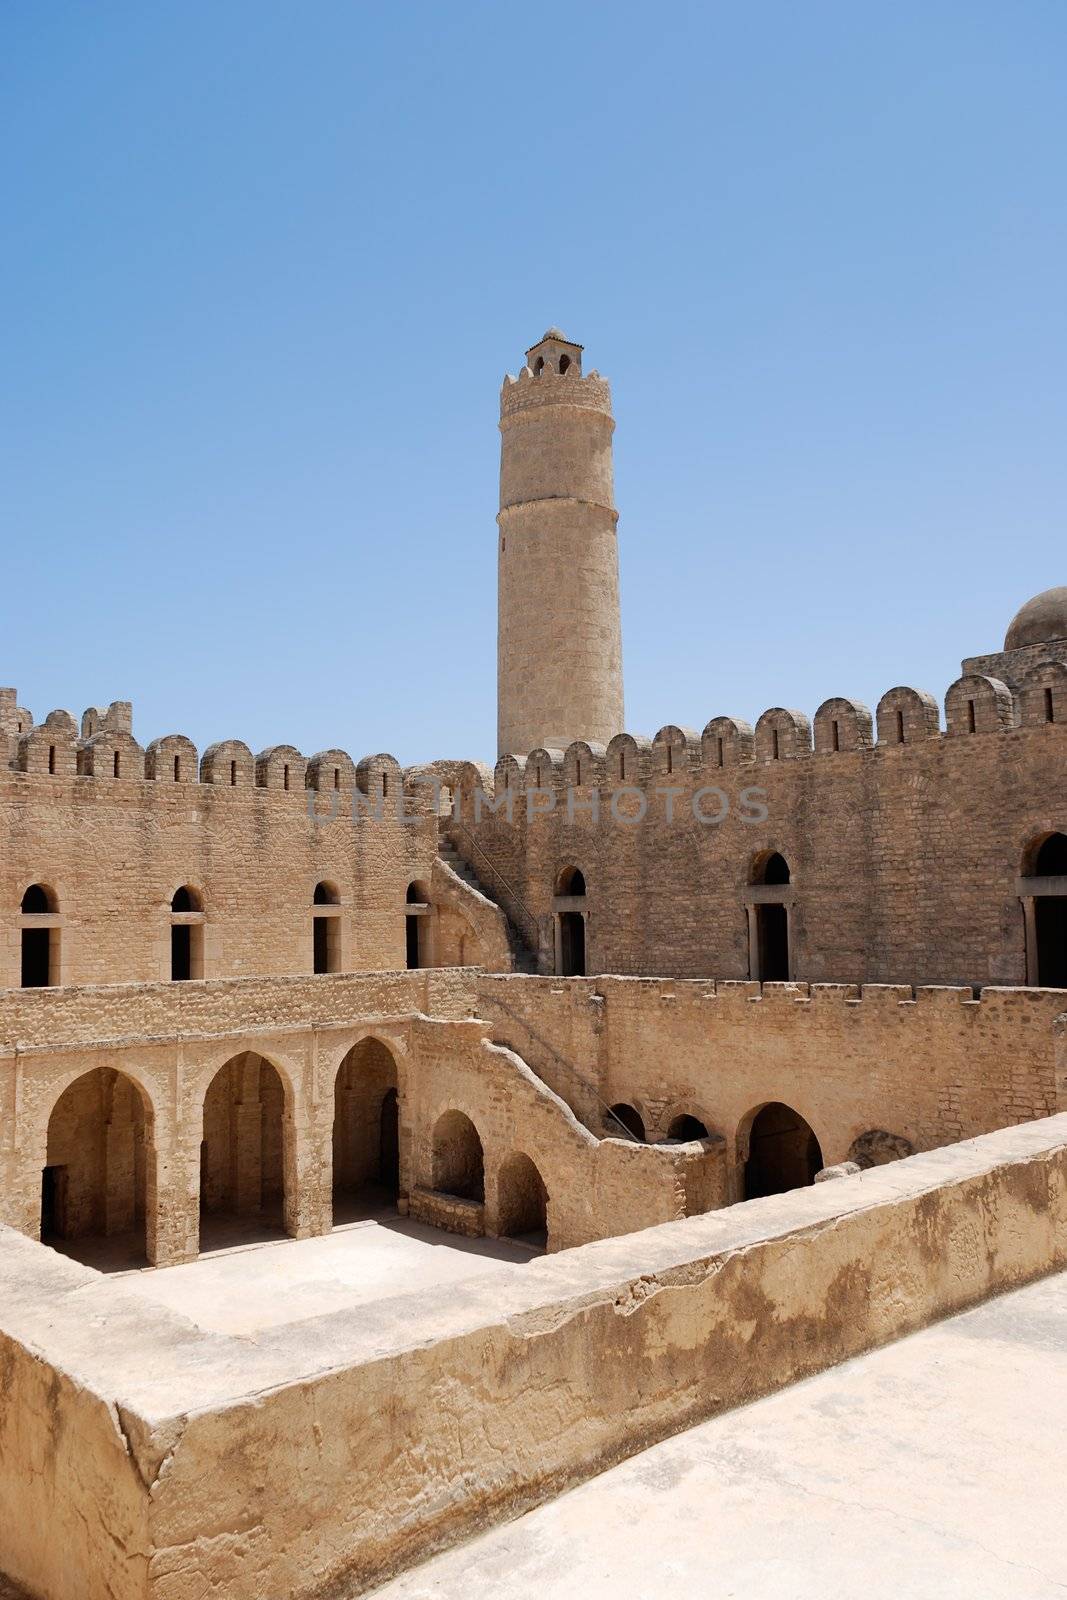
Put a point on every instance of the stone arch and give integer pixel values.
(522, 1201)
(246, 1149)
(625, 1121)
(876, 1148)
(777, 1150)
(366, 1130)
(98, 1175)
(685, 1127)
(458, 1158)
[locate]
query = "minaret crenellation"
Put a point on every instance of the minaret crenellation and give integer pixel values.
(559, 654)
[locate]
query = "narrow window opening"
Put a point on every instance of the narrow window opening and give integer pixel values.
(115, 763)
(537, 775)
(970, 717)
(578, 772)
(1049, 713)
(774, 744)
(622, 767)
(539, 366)
(670, 760)
(52, 756)
(385, 785)
(719, 752)
(900, 727)
(233, 774)
(564, 363)
(177, 769)
(337, 777)
(285, 776)
(835, 735)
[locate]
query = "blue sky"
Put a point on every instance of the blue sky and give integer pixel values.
(265, 266)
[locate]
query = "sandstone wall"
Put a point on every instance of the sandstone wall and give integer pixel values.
(422, 1420)
(931, 1065)
(905, 858)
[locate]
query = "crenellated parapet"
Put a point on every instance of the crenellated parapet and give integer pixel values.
(975, 705)
(528, 391)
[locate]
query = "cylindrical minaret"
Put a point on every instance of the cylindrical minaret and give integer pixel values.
(559, 642)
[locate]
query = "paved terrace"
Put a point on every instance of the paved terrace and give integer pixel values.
(927, 1470)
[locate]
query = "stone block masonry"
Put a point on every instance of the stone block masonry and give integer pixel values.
(141, 1457)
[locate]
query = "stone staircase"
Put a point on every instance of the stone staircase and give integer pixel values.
(525, 958)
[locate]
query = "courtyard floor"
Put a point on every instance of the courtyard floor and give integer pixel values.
(930, 1470)
(266, 1283)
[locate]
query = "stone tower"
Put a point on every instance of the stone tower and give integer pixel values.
(559, 644)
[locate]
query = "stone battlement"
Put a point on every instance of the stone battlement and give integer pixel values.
(974, 704)
(106, 748)
(527, 391)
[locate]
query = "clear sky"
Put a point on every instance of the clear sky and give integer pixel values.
(265, 264)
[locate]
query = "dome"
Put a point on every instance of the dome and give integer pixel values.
(555, 333)
(1039, 621)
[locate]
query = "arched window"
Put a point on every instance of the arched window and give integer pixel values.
(326, 929)
(769, 928)
(1050, 860)
(186, 934)
(39, 938)
(1045, 912)
(564, 363)
(771, 868)
(417, 926)
(571, 881)
(539, 366)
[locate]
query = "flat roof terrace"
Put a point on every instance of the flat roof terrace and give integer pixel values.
(928, 1469)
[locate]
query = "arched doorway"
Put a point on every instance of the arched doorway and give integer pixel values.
(94, 1183)
(1045, 906)
(522, 1201)
(366, 1132)
(570, 923)
(783, 1152)
(458, 1162)
(769, 938)
(242, 1153)
(685, 1128)
(625, 1119)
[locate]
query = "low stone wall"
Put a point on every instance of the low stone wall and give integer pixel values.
(448, 1211)
(141, 1457)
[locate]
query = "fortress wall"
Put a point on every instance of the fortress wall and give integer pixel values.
(394, 1424)
(114, 852)
(931, 1066)
(904, 858)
